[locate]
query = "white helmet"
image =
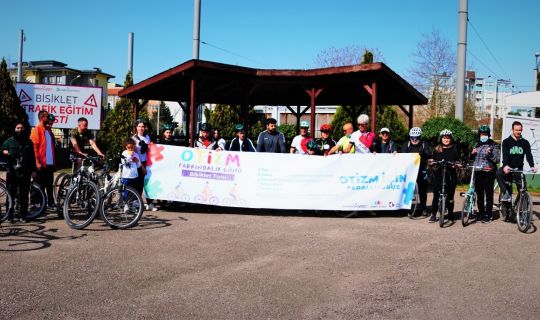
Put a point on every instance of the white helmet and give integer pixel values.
(445, 132)
(415, 132)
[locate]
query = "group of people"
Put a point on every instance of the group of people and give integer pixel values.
(33, 156)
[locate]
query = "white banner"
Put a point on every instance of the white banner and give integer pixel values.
(281, 181)
(531, 132)
(67, 103)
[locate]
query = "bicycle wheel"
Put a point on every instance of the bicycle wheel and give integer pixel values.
(442, 209)
(414, 203)
(56, 184)
(62, 190)
(524, 212)
(81, 205)
(468, 209)
(6, 203)
(36, 201)
(122, 207)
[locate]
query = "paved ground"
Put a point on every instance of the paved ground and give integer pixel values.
(263, 264)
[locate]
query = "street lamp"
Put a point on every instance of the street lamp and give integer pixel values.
(536, 55)
(76, 77)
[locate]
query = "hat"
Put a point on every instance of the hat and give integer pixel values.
(304, 124)
(385, 129)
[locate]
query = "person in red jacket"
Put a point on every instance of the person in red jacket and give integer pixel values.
(43, 140)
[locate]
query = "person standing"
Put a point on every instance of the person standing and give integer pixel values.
(325, 142)
(81, 138)
(19, 152)
(205, 140)
(486, 157)
(142, 142)
(43, 140)
(446, 150)
(299, 142)
(385, 144)
(515, 149)
(344, 141)
(219, 140)
(241, 142)
(167, 137)
(362, 139)
(271, 140)
(416, 145)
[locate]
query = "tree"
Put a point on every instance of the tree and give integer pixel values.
(387, 117)
(289, 131)
(165, 116)
(434, 73)
(11, 110)
(118, 126)
(346, 56)
(462, 135)
(224, 117)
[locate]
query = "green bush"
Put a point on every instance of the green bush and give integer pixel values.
(464, 137)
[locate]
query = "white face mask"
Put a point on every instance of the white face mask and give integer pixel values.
(484, 138)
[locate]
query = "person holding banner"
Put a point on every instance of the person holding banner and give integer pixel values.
(205, 140)
(344, 141)
(384, 144)
(325, 142)
(81, 138)
(43, 140)
(219, 140)
(241, 142)
(167, 137)
(416, 145)
(142, 141)
(271, 140)
(299, 142)
(362, 139)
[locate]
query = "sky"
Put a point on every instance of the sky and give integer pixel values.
(503, 36)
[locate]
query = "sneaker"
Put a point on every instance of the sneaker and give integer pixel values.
(506, 197)
(126, 208)
(486, 220)
(151, 207)
(433, 219)
(51, 208)
(23, 219)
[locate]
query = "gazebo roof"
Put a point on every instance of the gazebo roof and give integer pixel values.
(236, 85)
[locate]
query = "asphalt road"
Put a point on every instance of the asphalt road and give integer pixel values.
(205, 263)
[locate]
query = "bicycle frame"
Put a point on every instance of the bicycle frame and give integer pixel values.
(442, 193)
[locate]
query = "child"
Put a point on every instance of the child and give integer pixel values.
(131, 163)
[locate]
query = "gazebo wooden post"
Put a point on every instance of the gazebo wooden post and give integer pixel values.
(373, 92)
(192, 115)
(313, 93)
(184, 107)
(411, 122)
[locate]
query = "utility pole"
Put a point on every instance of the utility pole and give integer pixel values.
(130, 53)
(462, 49)
(19, 63)
(196, 28)
(536, 55)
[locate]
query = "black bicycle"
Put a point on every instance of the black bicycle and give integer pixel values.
(443, 193)
(520, 206)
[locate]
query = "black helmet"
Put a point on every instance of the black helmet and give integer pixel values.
(484, 129)
(51, 117)
(205, 127)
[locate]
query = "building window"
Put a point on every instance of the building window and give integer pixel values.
(52, 80)
(61, 80)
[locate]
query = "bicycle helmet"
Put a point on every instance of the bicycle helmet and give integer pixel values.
(445, 132)
(204, 127)
(169, 126)
(484, 129)
(312, 145)
(415, 132)
(304, 124)
(51, 117)
(239, 127)
(326, 128)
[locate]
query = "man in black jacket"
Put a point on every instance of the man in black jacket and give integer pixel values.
(19, 151)
(514, 149)
(271, 140)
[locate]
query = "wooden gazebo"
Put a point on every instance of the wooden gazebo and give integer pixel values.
(196, 81)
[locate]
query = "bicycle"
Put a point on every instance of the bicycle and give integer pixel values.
(415, 202)
(442, 194)
(467, 213)
(521, 205)
(83, 197)
(6, 201)
(122, 205)
(36, 200)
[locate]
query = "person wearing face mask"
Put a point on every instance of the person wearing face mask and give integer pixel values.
(486, 157)
(19, 152)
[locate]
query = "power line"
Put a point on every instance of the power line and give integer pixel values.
(482, 63)
(491, 53)
(235, 54)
